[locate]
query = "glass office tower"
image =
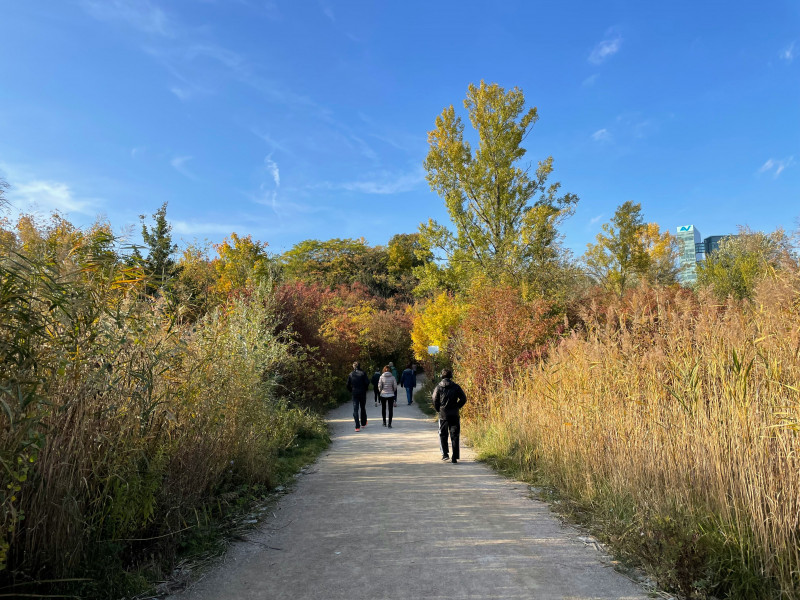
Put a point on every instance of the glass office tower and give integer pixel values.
(692, 250)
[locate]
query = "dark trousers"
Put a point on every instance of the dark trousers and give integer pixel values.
(451, 426)
(390, 402)
(360, 401)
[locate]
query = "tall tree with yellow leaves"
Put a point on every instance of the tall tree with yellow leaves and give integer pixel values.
(629, 251)
(505, 213)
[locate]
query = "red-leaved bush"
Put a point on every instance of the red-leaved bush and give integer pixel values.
(500, 333)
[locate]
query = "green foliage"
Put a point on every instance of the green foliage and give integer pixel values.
(630, 251)
(382, 271)
(332, 262)
(405, 253)
(741, 261)
(619, 255)
(505, 216)
(159, 264)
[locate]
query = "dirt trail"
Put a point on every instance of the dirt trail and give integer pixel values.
(379, 516)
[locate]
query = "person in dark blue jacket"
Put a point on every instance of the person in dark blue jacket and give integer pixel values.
(408, 380)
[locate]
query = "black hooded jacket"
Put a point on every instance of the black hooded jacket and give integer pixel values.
(448, 398)
(358, 382)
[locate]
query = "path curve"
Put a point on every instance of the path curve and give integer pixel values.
(379, 516)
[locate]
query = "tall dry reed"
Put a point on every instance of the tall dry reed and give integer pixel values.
(675, 422)
(119, 424)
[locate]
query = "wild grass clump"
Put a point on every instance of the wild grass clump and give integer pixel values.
(673, 422)
(120, 423)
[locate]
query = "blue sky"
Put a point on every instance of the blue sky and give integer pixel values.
(304, 119)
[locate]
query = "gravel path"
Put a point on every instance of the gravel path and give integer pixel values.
(379, 516)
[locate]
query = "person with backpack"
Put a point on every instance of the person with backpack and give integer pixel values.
(448, 398)
(375, 378)
(408, 380)
(357, 385)
(387, 386)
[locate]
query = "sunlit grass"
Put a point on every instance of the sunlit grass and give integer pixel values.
(673, 424)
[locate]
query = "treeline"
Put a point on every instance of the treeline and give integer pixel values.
(146, 392)
(666, 418)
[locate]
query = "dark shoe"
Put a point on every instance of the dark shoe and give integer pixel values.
(384, 423)
(445, 457)
(390, 425)
(454, 460)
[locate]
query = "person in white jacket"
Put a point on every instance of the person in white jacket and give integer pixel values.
(387, 387)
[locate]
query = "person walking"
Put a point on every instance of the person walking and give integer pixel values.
(448, 398)
(387, 386)
(394, 374)
(357, 385)
(375, 378)
(408, 380)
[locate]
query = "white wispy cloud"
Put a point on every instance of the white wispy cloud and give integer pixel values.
(596, 219)
(776, 166)
(789, 53)
(382, 183)
(602, 135)
(181, 93)
(139, 14)
(179, 164)
(591, 80)
(272, 142)
(41, 195)
(605, 49)
(272, 168)
(635, 125)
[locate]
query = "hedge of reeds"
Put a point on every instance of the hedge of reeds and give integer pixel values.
(670, 423)
(121, 423)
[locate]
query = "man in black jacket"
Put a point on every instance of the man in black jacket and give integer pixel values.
(357, 385)
(448, 398)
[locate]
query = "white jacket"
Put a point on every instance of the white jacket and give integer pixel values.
(387, 385)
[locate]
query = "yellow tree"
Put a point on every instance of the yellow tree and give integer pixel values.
(629, 251)
(435, 324)
(241, 262)
(505, 212)
(663, 252)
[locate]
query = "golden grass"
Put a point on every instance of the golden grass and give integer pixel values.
(675, 422)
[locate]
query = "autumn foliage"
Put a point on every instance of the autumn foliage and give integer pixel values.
(135, 409)
(499, 335)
